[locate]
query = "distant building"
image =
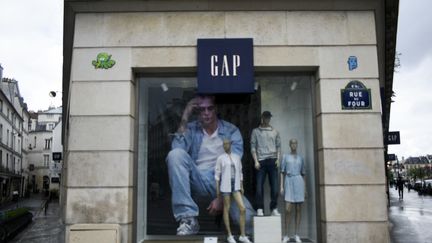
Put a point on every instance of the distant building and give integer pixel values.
(417, 162)
(43, 124)
(14, 119)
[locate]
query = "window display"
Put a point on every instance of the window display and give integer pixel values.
(182, 135)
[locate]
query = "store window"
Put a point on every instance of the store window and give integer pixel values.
(162, 104)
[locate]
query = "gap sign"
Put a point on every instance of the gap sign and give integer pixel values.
(392, 138)
(225, 66)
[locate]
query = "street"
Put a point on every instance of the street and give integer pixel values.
(45, 228)
(410, 218)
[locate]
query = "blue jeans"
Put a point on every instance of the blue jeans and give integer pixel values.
(267, 167)
(189, 183)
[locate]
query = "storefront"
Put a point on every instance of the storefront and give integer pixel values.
(131, 69)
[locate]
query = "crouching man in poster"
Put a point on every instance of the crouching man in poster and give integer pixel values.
(191, 164)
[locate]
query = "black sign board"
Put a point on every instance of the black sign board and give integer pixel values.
(356, 96)
(391, 157)
(57, 156)
(225, 66)
(392, 138)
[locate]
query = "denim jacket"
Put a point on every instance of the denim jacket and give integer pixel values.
(191, 139)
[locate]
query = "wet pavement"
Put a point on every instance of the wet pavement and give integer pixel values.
(410, 218)
(46, 227)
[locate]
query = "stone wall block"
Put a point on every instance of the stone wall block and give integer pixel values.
(96, 98)
(356, 232)
(362, 130)
(100, 169)
(83, 70)
(101, 133)
(99, 205)
(265, 27)
(361, 27)
(164, 57)
(355, 203)
(308, 28)
(351, 166)
(286, 56)
(333, 62)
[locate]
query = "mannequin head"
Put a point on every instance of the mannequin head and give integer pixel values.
(265, 118)
(293, 145)
(227, 146)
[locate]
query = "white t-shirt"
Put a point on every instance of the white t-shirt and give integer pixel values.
(211, 148)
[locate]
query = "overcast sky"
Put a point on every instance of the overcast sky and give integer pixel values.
(31, 52)
(411, 113)
(31, 48)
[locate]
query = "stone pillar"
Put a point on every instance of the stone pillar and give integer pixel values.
(100, 145)
(350, 151)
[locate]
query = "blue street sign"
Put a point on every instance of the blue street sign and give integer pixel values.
(225, 66)
(356, 96)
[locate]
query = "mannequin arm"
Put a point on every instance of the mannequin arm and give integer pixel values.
(254, 156)
(216, 206)
(217, 189)
(305, 188)
(278, 157)
(282, 184)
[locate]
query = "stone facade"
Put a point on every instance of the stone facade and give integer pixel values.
(101, 135)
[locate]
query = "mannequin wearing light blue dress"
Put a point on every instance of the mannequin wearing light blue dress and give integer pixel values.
(292, 187)
(293, 170)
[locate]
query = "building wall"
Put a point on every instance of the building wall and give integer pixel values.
(36, 156)
(12, 157)
(100, 156)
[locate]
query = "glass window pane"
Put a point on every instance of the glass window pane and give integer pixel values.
(162, 101)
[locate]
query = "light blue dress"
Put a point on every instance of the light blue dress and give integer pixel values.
(293, 170)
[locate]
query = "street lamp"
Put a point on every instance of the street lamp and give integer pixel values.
(54, 93)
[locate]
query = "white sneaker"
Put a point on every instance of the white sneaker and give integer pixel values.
(297, 239)
(244, 239)
(230, 239)
(260, 212)
(188, 226)
(285, 239)
(275, 212)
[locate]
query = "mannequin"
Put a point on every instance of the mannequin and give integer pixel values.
(229, 184)
(265, 149)
(292, 187)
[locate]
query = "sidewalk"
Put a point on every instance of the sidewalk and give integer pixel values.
(410, 218)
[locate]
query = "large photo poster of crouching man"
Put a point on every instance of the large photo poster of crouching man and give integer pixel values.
(191, 163)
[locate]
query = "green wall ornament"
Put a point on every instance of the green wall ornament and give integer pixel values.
(103, 60)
